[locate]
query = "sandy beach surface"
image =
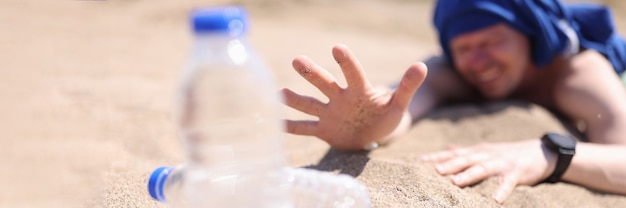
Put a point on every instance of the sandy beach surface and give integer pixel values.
(87, 89)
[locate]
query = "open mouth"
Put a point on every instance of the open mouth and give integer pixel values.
(489, 76)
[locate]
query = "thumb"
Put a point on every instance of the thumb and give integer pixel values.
(412, 79)
(507, 184)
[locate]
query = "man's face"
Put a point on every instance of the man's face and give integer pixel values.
(492, 59)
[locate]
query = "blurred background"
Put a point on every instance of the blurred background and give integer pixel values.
(86, 87)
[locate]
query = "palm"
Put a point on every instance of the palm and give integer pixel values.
(356, 115)
(357, 118)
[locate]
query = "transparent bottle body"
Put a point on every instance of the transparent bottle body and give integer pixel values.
(229, 116)
(317, 189)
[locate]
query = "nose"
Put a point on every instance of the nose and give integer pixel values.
(479, 60)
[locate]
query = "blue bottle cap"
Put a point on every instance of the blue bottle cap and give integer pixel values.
(228, 19)
(156, 182)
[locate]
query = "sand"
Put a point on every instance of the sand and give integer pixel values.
(87, 89)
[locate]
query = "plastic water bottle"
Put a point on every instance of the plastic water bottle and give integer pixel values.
(307, 188)
(230, 119)
(229, 115)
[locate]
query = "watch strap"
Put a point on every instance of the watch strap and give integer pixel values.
(564, 154)
(562, 164)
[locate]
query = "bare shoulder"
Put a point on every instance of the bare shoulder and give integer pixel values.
(588, 89)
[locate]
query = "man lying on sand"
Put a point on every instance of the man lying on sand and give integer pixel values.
(566, 58)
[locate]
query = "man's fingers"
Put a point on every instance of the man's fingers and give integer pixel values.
(507, 184)
(307, 128)
(316, 75)
(459, 164)
(438, 156)
(452, 147)
(350, 66)
(412, 79)
(477, 172)
(443, 156)
(305, 104)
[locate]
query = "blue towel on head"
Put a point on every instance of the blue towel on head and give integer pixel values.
(553, 28)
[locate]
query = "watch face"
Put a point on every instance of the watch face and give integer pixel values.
(562, 141)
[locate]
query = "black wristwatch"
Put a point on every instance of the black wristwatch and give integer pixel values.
(565, 147)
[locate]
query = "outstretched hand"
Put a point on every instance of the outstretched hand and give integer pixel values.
(356, 115)
(516, 163)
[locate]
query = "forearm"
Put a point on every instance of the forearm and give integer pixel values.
(599, 167)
